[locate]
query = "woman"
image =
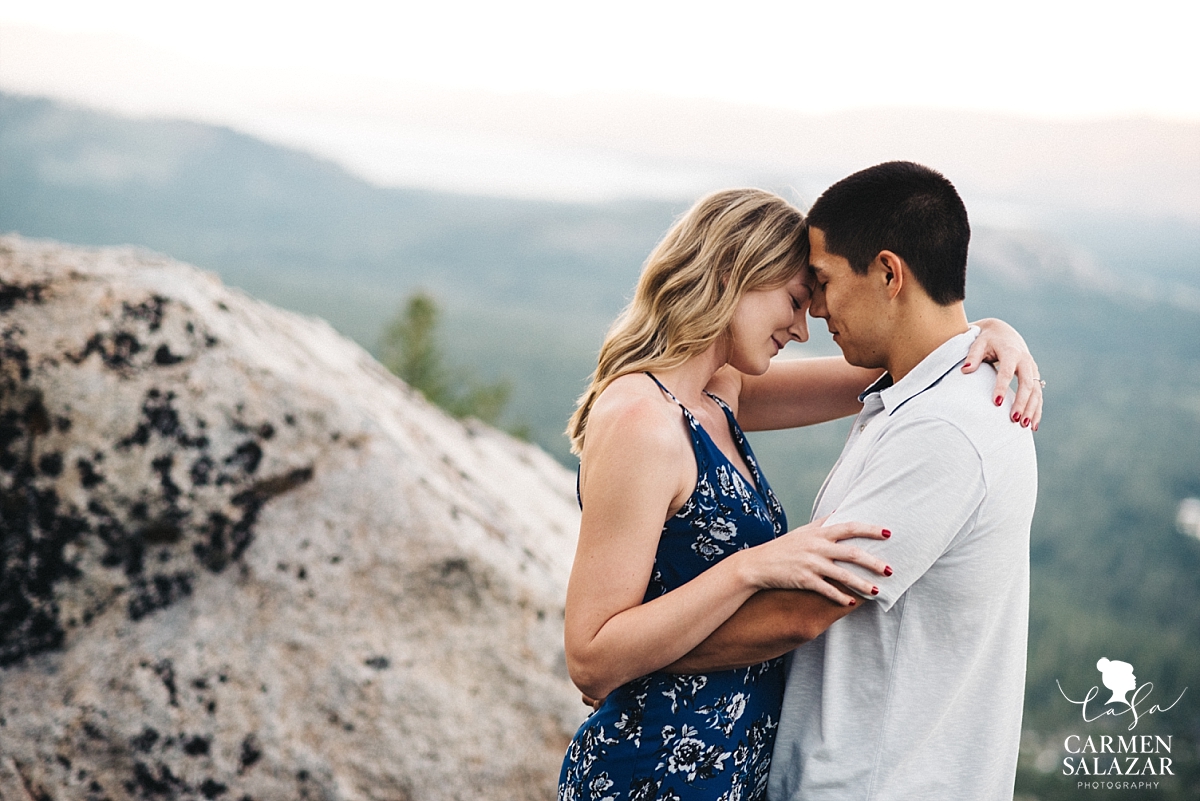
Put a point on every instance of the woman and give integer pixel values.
(679, 527)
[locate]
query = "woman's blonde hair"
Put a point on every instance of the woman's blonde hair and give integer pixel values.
(729, 243)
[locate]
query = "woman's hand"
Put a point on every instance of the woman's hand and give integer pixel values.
(806, 556)
(1000, 344)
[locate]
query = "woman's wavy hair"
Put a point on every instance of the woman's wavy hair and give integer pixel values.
(729, 243)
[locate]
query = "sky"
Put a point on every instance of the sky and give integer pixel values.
(1080, 104)
(1060, 59)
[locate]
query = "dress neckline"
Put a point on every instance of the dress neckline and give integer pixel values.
(736, 434)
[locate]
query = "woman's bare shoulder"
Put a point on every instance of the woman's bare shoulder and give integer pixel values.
(632, 410)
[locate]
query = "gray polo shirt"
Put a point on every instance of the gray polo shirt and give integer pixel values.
(919, 694)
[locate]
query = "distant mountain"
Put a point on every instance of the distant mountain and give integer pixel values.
(530, 287)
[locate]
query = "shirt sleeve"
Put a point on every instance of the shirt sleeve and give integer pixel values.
(924, 482)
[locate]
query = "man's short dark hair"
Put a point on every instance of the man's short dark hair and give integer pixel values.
(906, 208)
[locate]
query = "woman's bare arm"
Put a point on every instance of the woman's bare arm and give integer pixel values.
(801, 392)
(638, 466)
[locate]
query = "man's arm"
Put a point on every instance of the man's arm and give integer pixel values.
(768, 625)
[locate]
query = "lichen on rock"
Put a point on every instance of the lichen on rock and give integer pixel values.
(240, 560)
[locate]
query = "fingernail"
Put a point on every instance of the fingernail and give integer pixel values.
(965, 366)
(874, 590)
(1016, 417)
(1025, 423)
(887, 570)
(1035, 425)
(853, 602)
(886, 533)
(999, 399)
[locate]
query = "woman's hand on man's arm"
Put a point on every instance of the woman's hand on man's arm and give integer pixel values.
(1000, 344)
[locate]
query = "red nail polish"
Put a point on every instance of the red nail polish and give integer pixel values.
(874, 590)
(1035, 425)
(1025, 423)
(887, 570)
(999, 399)
(1016, 417)
(886, 533)
(965, 366)
(853, 602)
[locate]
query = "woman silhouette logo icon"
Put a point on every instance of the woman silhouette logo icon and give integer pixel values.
(1118, 677)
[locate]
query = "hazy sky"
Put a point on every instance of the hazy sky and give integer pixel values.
(1045, 58)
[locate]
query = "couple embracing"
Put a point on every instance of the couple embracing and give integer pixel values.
(710, 631)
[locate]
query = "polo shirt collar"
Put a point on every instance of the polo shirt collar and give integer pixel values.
(928, 372)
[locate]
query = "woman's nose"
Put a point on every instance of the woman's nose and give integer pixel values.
(799, 327)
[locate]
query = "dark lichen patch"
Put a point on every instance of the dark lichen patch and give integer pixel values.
(160, 417)
(377, 662)
(202, 471)
(116, 349)
(145, 741)
(51, 464)
(165, 670)
(12, 294)
(196, 745)
(149, 783)
(14, 359)
(149, 594)
(246, 457)
(251, 752)
(36, 530)
(164, 358)
(136, 340)
(210, 788)
(88, 477)
(149, 311)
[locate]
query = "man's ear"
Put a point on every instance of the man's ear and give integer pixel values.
(894, 270)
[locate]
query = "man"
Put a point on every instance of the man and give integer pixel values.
(918, 693)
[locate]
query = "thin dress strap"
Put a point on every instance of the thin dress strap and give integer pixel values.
(654, 378)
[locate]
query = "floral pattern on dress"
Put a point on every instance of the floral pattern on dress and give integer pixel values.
(704, 737)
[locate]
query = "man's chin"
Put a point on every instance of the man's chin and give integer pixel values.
(855, 358)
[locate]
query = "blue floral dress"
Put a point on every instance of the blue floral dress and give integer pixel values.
(703, 737)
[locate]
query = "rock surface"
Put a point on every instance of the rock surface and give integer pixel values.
(242, 561)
